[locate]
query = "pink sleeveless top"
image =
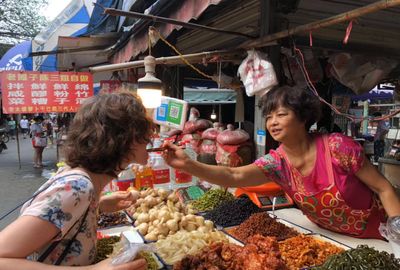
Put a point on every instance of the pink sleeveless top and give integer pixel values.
(347, 158)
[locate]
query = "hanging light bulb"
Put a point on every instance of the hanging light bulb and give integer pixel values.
(213, 115)
(149, 87)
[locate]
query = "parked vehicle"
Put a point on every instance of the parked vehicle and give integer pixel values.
(3, 145)
(4, 135)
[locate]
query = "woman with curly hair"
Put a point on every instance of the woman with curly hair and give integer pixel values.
(327, 176)
(58, 226)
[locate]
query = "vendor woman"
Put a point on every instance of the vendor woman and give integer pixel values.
(327, 176)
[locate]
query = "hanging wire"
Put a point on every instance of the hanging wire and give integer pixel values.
(219, 74)
(181, 55)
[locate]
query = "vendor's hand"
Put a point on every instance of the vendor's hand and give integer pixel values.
(175, 156)
(135, 265)
(116, 201)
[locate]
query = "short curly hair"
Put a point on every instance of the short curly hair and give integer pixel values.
(104, 131)
(303, 102)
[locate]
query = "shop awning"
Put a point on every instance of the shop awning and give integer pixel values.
(188, 10)
(16, 58)
(91, 56)
(209, 96)
(72, 21)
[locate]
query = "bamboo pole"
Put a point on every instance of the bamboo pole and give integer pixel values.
(170, 60)
(153, 18)
(72, 50)
(343, 17)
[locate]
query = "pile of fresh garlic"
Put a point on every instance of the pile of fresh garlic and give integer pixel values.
(158, 214)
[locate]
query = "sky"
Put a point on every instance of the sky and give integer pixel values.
(54, 8)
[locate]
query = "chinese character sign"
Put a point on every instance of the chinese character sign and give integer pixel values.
(43, 92)
(109, 86)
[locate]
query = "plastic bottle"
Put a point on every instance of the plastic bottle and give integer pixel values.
(181, 178)
(161, 171)
(144, 177)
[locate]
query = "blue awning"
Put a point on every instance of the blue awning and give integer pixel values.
(71, 22)
(17, 58)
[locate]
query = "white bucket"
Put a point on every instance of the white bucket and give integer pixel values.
(395, 247)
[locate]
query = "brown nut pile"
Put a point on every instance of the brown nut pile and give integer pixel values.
(263, 224)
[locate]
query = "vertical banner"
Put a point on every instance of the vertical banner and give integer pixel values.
(44, 92)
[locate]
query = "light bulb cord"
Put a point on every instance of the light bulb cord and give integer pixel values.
(179, 53)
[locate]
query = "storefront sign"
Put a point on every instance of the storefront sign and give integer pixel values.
(44, 92)
(109, 86)
(171, 113)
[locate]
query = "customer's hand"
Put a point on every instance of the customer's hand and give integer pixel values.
(116, 201)
(175, 156)
(106, 265)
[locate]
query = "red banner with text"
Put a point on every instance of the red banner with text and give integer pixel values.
(44, 92)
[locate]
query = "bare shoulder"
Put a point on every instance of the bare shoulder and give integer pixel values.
(26, 235)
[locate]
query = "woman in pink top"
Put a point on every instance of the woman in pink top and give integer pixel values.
(327, 176)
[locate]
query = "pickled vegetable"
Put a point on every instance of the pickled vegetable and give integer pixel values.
(105, 247)
(212, 199)
(361, 258)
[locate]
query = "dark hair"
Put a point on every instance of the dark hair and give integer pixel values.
(303, 102)
(104, 130)
(377, 114)
(38, 118)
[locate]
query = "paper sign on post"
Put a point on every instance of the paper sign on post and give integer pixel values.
(261, 137)
(172, 113)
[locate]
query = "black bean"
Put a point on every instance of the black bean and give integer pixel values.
(232, 213)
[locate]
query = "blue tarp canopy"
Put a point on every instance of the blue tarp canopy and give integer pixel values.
(17, 58)
(101, 23)
(71, 22)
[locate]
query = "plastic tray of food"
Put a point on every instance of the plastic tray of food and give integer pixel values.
(298, 228)
(111, 220)
(231, 240)
(160, 264)
(116, 231)
(330, 240)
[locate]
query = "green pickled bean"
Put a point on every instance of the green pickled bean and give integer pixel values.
(361, 258)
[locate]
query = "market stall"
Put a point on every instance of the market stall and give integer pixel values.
(181, 237)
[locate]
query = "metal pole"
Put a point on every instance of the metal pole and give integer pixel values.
(18, 148)
(171, 60)
(153, 18)
(365, 121)
(72, 50)
(343, 17)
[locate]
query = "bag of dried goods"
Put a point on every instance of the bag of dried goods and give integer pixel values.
(208, 147)
(233, 148)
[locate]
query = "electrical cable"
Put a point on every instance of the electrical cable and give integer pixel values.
(180, 55)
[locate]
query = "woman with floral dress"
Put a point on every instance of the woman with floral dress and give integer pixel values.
(327, 176)
(58, 225)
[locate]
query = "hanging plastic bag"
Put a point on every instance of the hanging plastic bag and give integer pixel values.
(257, 73)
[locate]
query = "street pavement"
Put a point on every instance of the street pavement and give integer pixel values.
(17, 184)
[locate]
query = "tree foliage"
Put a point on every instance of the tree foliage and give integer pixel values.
(20, 19)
